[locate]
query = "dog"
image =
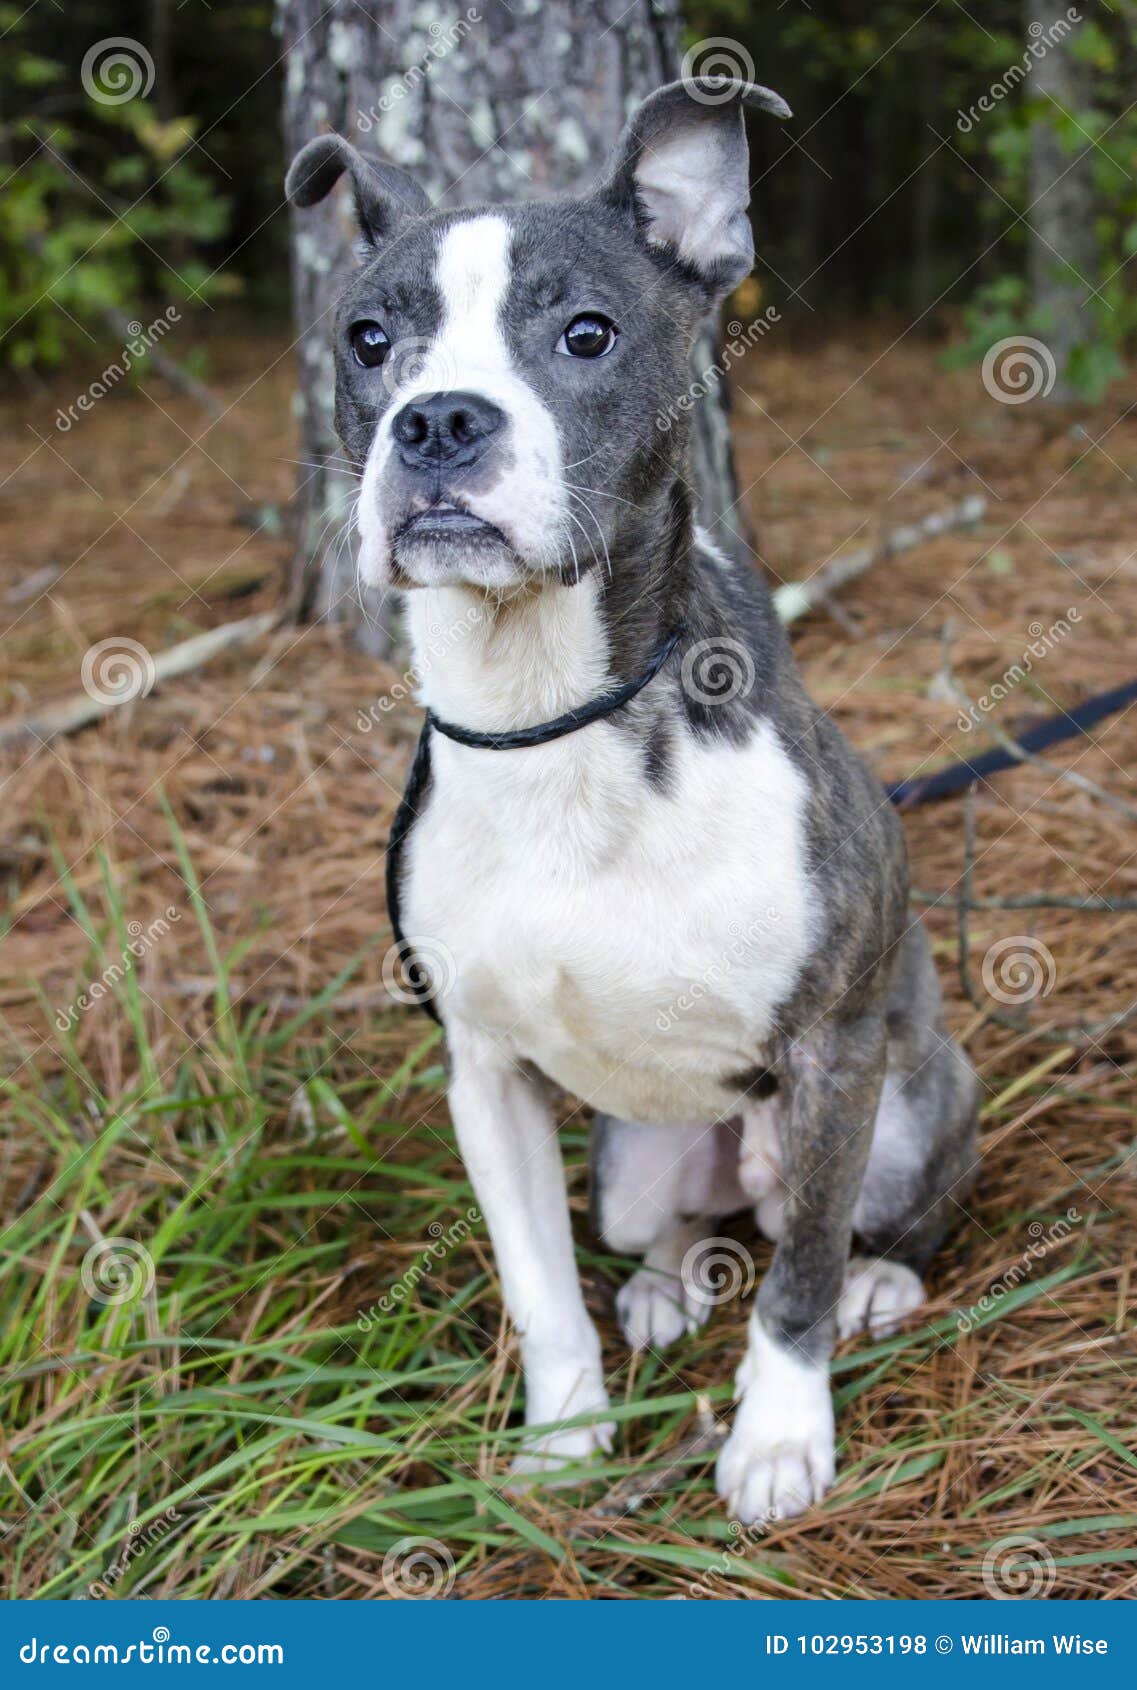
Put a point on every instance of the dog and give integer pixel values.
(683, 902)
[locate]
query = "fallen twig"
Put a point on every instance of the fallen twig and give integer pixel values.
(82, 708)
(1029, 901)
(795, 598)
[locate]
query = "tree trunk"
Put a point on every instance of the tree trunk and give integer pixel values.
(1063, 257)
(484, 103)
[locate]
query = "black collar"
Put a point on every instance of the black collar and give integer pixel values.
(542, 732)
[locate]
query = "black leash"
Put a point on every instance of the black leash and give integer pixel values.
(542, 732)
(945, 783)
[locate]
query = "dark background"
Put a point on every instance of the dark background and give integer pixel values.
(884, 206)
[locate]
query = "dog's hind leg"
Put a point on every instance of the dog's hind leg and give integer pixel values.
(662, 1300)
(659, 1192)
(760, 1165)
(923, 1159)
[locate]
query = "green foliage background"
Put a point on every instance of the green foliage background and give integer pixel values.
(131, 207)
(874, 200)
(890, 204)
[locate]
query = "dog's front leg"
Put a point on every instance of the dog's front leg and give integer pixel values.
(508, 1139)
(780, 1456)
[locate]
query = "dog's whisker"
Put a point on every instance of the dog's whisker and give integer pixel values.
(324, 463)
(567, 535)
(321, 539)
(350, 527)
(601, 494)
(590, 512)
(588, 538)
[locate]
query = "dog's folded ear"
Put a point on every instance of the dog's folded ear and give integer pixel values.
(384, 195)
(681, 168)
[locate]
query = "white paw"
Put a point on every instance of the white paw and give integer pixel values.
(655, 1309)
(561, 1392)
(761, 1481)
(780, 1457)
(543, 1459)
(876, 1296)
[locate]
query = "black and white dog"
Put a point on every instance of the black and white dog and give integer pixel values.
(685, 905)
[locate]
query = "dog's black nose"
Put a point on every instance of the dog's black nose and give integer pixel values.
(445, 428)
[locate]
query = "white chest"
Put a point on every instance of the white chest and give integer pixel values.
(633, 943)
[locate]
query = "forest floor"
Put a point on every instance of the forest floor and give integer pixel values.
(222, 1143)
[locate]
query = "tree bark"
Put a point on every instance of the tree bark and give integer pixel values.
(483, 102)
(1063, 258)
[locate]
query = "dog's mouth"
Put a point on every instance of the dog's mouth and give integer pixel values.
(447, 544)
(444, 521)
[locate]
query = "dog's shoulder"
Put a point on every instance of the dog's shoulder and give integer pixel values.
(854, 842)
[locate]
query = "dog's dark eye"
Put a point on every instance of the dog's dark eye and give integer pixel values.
(369, 343)
(590, 336)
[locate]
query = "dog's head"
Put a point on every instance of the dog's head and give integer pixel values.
(500, 373)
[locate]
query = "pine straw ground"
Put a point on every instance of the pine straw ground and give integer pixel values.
(246, 1109)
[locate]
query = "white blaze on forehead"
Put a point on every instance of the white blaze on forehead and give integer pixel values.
(473, 272)
(472, 277)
